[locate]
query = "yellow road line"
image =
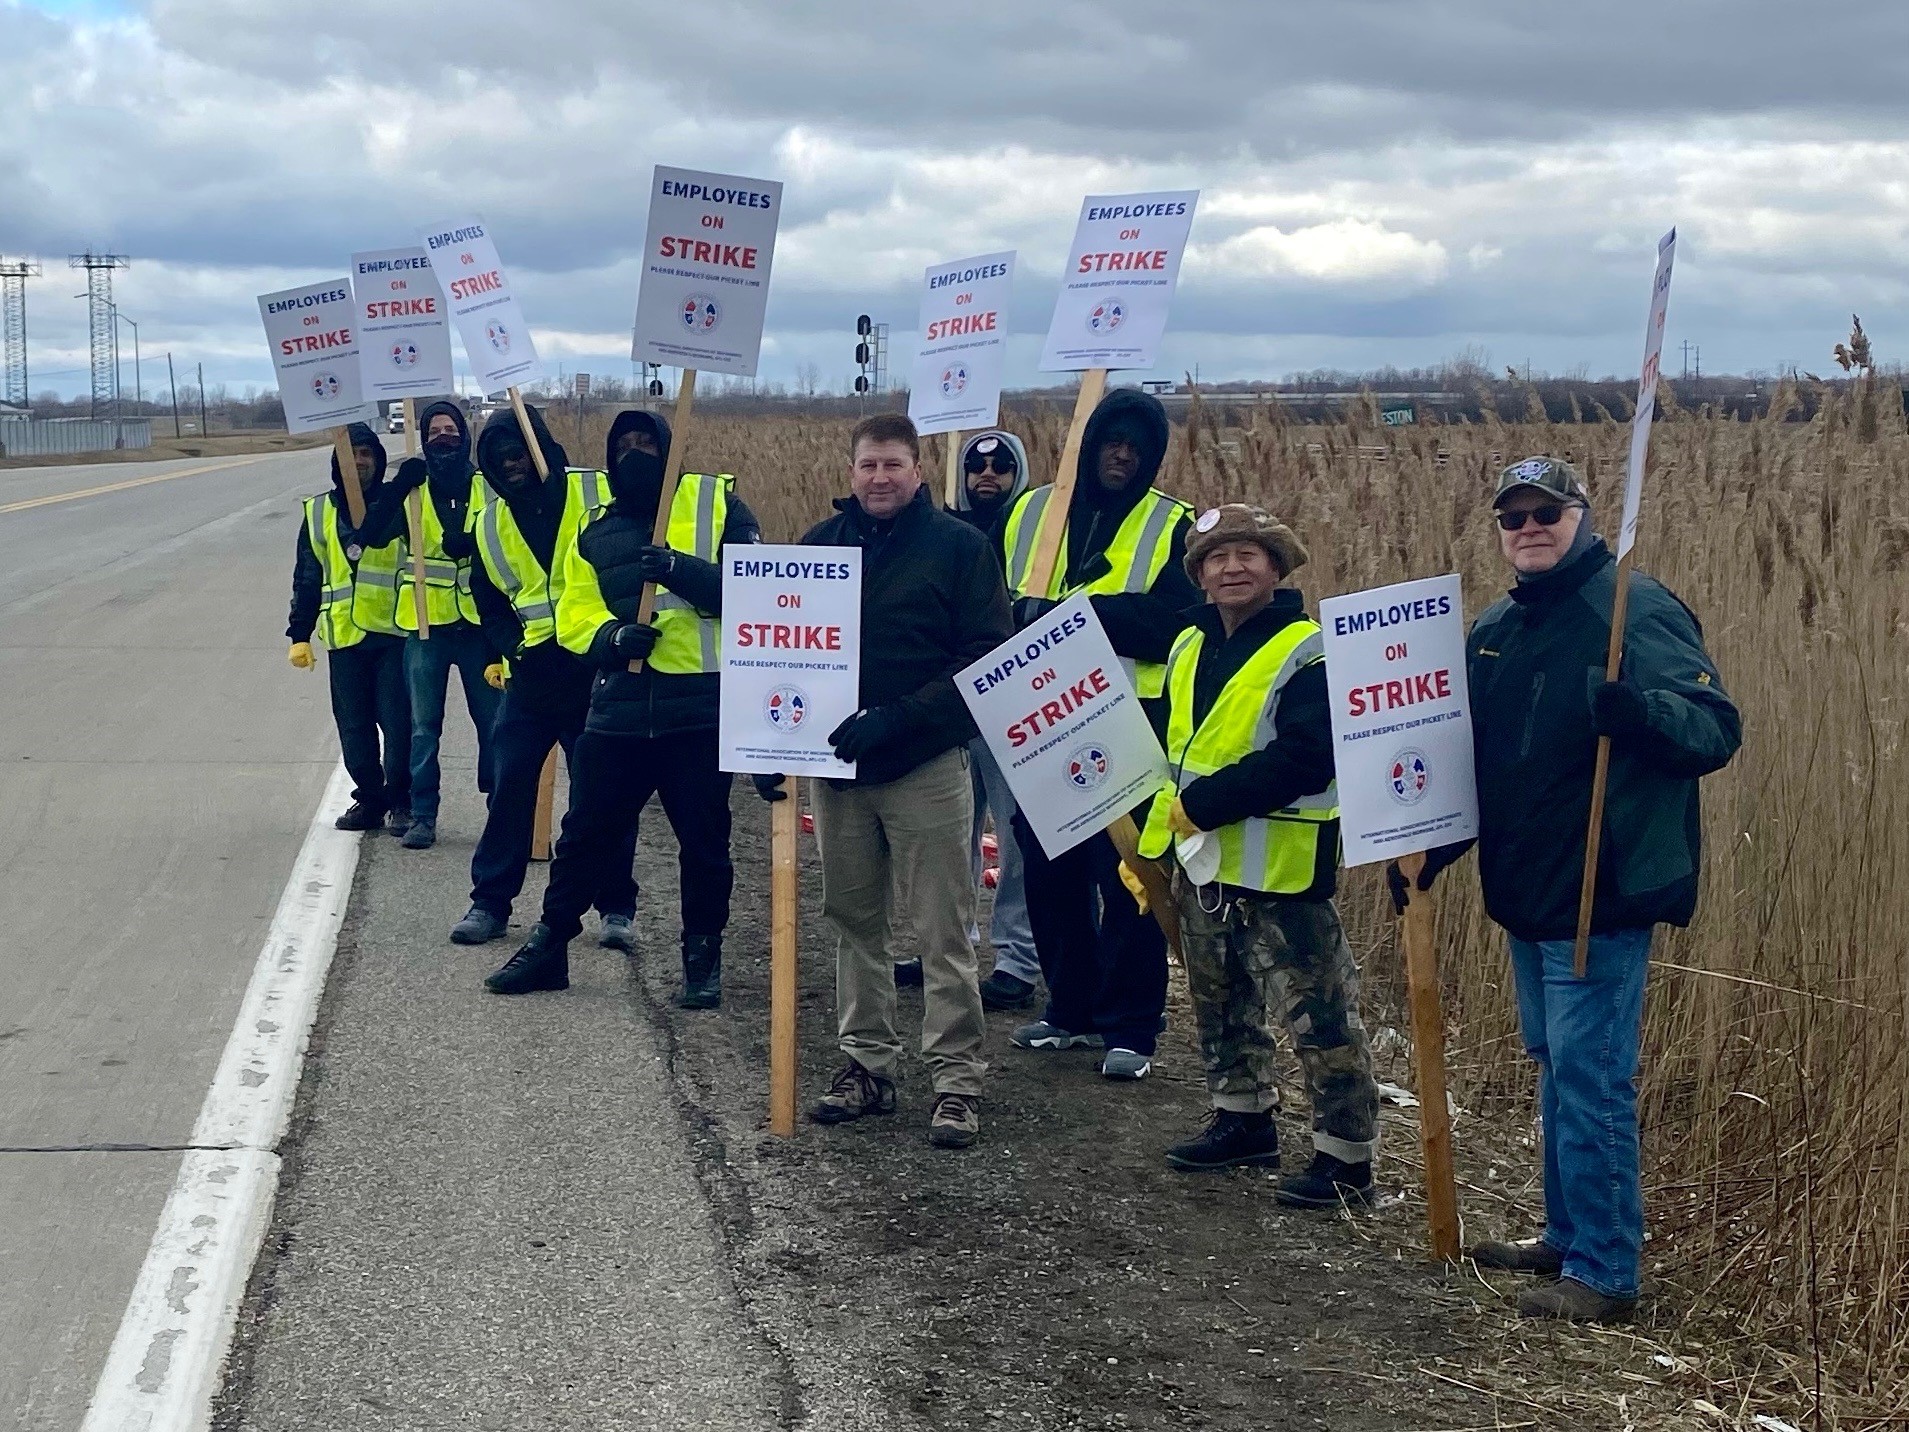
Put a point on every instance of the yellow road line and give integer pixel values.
(130, 482)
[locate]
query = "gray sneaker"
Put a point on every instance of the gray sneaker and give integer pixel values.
(478, 927)
(1042, 1035)
(617, 933)
(422, 835)
(1125, 1064)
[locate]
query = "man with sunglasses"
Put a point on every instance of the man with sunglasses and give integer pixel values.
(1536, 660)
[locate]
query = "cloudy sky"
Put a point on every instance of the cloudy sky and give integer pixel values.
(1384, 181)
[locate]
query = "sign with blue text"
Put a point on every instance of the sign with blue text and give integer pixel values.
(489, 319)
(791, 657)
(706, 261)
(313, 333)
(1119, 282)
(404, 330)
(963, 340)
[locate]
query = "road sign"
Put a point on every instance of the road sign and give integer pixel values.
(583, 385)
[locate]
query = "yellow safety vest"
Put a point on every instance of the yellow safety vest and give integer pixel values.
(690, 642)
(447, 581)
(1135, 557)
(513, 567)
(357, 598)
(1278, 854)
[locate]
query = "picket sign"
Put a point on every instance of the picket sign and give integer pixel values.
(414, 522)
(1641, 417)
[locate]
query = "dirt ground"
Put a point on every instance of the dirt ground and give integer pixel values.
(165, 449)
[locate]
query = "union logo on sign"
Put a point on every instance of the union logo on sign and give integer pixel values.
(325, 385)
(786, 708)
(404, 355)
(498, 335)
(954, 380)
(1087, 767)
(1410, 776)
(701, 313)
(1106, 316)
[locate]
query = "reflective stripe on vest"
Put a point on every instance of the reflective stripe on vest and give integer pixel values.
(1276, 855)
(689, 640)
(513, 567)
(447, 583)
(1135, 558)
(352, 601)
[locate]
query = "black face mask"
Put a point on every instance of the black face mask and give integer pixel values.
(443, 454)
(638, 480)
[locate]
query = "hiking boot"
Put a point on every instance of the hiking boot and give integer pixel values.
(422, 835)
(478, 927)
(1327, 1183)
(1229, 1140)
(360, 817)
(1042, 1035)
(541, 963)
(702, 972)
(398, 821)
(1125, 1064)
(616, 932)
(1002, 990)
(955, 1121)
(855, 1094)
(1528, 1255)
(1573, 1302)
(907, 974)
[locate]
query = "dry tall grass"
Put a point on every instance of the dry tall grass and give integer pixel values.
(1777, 1042)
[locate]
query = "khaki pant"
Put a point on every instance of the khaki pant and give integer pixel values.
(911, 835)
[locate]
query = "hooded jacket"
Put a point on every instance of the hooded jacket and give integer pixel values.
(649, 702)
(308, 575)
(991, 519)
(449, 479)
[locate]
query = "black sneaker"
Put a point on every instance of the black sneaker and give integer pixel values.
(360, 817)
(855, 1094)
(541, 963)
(1229, 1140)
(398, 820)
(478, 927)
(1327, 1183)
(1002, 990)
(907, 974)
(702, 972)
(1527, 1255)
(422, 835)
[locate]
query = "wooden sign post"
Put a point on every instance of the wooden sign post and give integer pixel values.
(672, 475)
(414, 523)
(348, 474)
(1428, 1061)
(783, 902)
(953, 481)
(544, 820)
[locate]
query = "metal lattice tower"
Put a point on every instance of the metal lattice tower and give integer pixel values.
(103, 332)
(14, 274)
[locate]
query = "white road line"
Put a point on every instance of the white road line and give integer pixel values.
(165, 1363)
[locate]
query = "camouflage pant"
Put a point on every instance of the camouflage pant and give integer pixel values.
(1257, 956)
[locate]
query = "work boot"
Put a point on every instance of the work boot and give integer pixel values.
(1002, 990)
(422, 835)
(1229, 1140)
(907, 974)
(1327, 1183)
(955, 1121)
(855, 1094)
(541, 963)
(478, 927)
(398, 820)
(360, 817)
(1527, 1255)
(702, 972)
(1573, 1302)
(617, 933)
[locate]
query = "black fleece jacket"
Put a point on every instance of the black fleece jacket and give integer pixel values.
(1298, 762)
(308, 575)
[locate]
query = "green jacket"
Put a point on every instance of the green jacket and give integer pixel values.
(1534, 658)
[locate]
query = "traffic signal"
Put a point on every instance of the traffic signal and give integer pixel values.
(862, 326)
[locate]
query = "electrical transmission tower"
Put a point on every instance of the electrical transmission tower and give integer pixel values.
(14, 274)
(103, 331)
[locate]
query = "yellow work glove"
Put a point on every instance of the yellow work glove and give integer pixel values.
(1134, 887)
(1179, 822)
(497, 673)
(301, 656)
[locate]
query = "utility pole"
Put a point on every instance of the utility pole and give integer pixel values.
(14, 274)
(173, 384)
(205, 430)
(102, 331)
(1686, 347)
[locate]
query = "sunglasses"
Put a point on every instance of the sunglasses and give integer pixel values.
(1548, 515)
(979, 462)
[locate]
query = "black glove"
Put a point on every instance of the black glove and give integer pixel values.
(633, 641)
(1028, 610)
(1619, 710)
(656, 564)
(1436, 859)
(862, 733)
(770, 788)
(412, 474)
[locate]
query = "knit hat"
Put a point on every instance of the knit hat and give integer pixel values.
(1238, 522)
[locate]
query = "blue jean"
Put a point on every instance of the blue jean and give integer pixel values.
(1583, 1035)
(427, 671)
(1008, 928)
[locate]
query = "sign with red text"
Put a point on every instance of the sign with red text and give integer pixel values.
(1061, 718)
(1401, 718)
(1119, 281)
(1647, 390)
(963, 340)
(489, 319)
(792, 657)
(313, 333)
(404, 329)
(706, 258)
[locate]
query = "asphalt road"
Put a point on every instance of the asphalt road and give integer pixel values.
(159, 764)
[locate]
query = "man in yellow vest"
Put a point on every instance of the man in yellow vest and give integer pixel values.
(1105, 964)
(457, 639)
(522, 527)
(347, 594)
(1253, 822)
(649, 732)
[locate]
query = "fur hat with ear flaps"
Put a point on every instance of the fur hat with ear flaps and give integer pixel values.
(1238, 522)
